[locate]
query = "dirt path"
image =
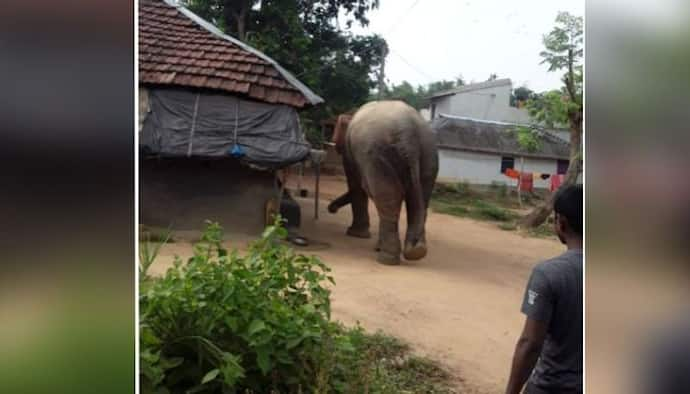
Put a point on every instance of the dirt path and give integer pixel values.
(459, 305)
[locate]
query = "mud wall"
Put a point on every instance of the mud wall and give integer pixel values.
(182, 193)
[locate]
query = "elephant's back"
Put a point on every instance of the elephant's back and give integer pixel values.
(386, 122)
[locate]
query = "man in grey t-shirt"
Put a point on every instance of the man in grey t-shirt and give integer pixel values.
(550, 347)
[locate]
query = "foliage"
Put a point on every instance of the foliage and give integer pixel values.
(548, 108)
(307, 38)
(260, 323)
(528, 138)
(564, 43)
(149, 249)
(314, 135)
(563, 50)
(464, 202)
(225, 321)
(521, 94)
(419, 97)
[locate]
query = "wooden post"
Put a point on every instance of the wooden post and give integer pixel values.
(519, 184)
(316, 193)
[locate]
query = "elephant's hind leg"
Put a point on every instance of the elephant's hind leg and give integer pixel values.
(386, 192)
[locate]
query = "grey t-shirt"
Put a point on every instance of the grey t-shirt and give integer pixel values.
(554, 297)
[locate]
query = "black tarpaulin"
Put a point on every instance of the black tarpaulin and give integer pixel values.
(201, 124)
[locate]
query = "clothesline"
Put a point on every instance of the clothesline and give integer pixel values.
(526, 179)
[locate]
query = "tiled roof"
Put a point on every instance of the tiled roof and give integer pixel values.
(176, 47)
(468, 134)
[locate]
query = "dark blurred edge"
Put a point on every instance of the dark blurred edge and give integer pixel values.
(637, 135)
(67, 200)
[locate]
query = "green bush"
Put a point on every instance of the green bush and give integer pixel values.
(227, 323)
(260, 323)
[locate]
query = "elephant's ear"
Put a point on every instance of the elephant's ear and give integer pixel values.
(340, 130)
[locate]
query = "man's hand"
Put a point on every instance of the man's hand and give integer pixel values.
(527, 353)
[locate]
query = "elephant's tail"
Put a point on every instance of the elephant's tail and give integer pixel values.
(414, 200)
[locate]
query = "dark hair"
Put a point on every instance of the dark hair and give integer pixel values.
(568, 203)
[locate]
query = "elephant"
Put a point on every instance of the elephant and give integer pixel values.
(389, 154)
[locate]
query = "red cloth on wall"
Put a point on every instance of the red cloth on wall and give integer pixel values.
(526, 181)
(556, 180)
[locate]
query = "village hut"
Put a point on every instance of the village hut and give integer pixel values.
(217, 119)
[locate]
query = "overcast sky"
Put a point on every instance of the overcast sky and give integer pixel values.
(439, 39)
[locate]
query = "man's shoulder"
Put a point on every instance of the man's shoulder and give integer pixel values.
(556, 265)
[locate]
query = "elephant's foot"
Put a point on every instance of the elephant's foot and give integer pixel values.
(414, 252)
(388, 258)
(358, 232)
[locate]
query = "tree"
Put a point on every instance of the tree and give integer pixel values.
(563, 51)
(307, 38)
(492, 77)
(419, 97)
(520, 96)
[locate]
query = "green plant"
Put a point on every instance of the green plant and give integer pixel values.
(225, 322)
(149, 249)
(260, 323)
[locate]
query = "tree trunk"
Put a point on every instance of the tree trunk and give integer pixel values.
(541, 213)
(236, 15)
(241, 26)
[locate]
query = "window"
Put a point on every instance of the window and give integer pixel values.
(562, 166)
(507, 162)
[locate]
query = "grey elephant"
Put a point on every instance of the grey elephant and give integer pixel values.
(389, 155)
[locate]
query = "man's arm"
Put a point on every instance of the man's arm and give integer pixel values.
(526, 354)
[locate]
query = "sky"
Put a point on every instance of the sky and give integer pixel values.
(431, 40)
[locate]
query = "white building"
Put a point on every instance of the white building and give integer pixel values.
(486, 101)
(474, 124)
(479, 151)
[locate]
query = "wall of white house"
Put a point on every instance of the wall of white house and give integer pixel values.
(485, 168)
(491, 103)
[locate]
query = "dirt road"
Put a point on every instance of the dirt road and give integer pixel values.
(459, 305)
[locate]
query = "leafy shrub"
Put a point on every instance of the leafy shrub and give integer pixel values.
(227, 323)
(149, 248)
(260, 323)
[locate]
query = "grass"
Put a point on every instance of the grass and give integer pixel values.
(544, 230)
(494, 204)
(472, 207)
(386, 365)
(511, 226)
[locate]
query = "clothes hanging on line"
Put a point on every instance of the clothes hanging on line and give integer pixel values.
(556, 180)
(511, 173)
(526, 181)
